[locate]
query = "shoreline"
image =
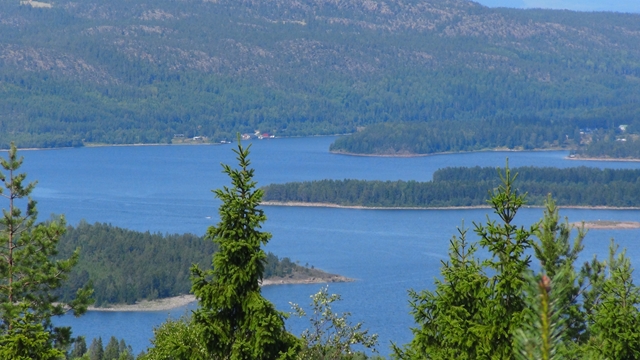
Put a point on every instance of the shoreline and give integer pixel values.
(175, 302)
(607, 225)
(360, 207)
(99, 145)
(603, 159)
(410, 155)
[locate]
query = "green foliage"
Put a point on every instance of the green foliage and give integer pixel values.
(111, 351)
(506, 243)
(405, 138)
(611, 144)
(27, 339)
(541, 334)
(122, 264)
(476, 309)
(28, 273)
(96, 350)
(498, 309)
(614, 318)
(332, 335)
(467, 187)
(115, 350)
(178, 339)
(237, 322)
(449, 315)
(557, 255)
(79, 348)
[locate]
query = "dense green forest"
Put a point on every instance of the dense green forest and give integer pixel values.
(123, 264)
(527, 133)
(408, 138)
(610, 144)
(580, 186)
(145, 72)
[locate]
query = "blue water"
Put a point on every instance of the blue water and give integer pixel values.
(168, 189)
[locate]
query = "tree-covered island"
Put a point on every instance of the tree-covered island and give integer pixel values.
(461, 187)
(521, 133)
(123, 266)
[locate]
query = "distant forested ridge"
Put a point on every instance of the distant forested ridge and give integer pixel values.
(156, 71)
(450, 187)
(126, 266)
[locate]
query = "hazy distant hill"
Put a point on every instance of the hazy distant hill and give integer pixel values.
(581, 5)
(144, 71)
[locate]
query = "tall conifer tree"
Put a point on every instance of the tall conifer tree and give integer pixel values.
(29, 274)
(237, 322)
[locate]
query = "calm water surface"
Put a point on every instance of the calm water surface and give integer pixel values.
(168, 189)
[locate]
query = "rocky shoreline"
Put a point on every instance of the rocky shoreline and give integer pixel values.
(608, 225)
(360, 207)
(316, 277)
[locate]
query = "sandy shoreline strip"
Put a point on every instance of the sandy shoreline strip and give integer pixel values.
(183, 300)
(408, 155)
(359, 207)
(608, 225)
(602, 159)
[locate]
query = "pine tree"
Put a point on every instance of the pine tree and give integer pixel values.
(541, 336)
(237, 321)
(557, 255)
(28, 272)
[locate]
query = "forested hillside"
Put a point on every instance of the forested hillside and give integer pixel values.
(451, 187)
(126, 266)
(148, 71)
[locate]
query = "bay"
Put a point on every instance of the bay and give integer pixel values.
(167, 189)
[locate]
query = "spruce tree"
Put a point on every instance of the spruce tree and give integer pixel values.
(449, 314)
(112, 350)
(96, 351)
(79, 348)
(236, 320)
(614, 320)
(506, 243)
(29, 272)
(477, 308)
